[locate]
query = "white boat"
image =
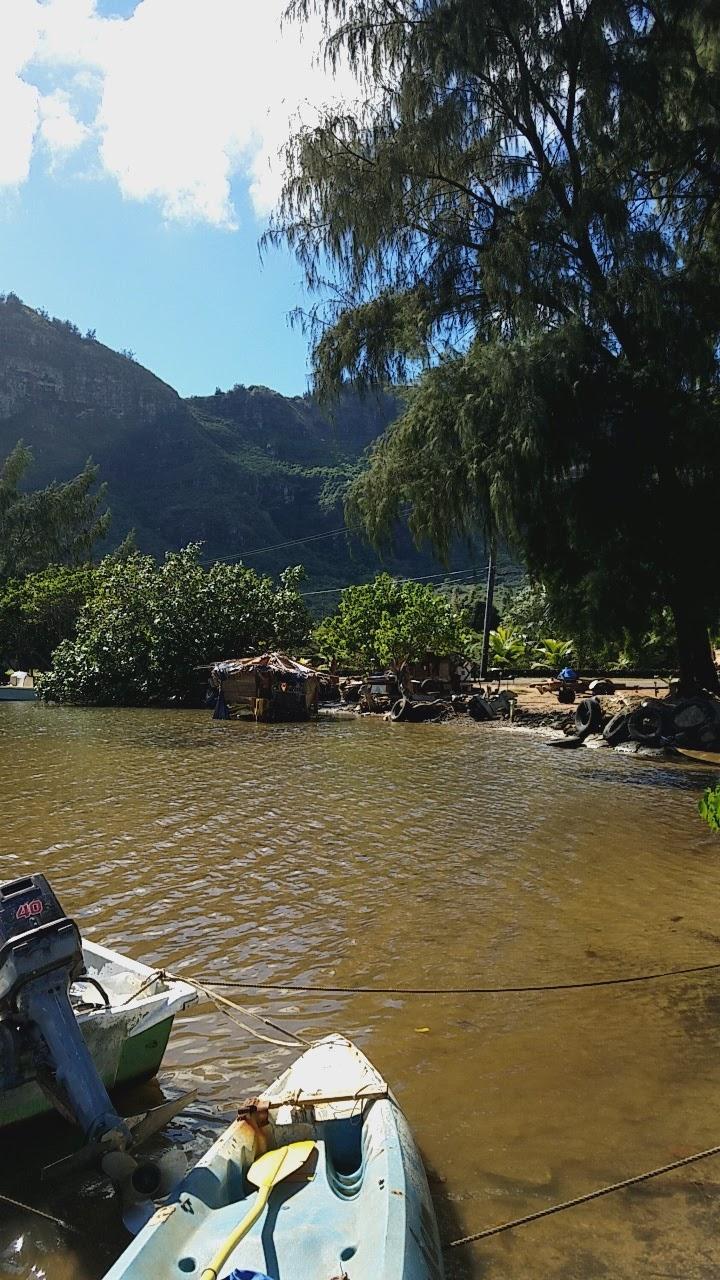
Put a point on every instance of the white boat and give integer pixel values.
(21, 688)
(126, 1036)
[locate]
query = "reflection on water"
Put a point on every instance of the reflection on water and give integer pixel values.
(363, 853)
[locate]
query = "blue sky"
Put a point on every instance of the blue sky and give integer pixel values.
(139, 171)
(193, 302)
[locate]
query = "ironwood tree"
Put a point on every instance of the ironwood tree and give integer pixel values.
(52, 526)
(521, 218)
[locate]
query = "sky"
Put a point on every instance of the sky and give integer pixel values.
(139, 162)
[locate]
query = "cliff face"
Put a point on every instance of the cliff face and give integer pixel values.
(237, 470)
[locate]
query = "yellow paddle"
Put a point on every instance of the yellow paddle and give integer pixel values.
(264, 1174)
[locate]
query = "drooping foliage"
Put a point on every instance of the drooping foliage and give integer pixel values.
(389, 621)
(146, 626)
(55, 525)
(525, 209)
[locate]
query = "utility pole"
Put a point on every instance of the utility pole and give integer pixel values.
(488, 610)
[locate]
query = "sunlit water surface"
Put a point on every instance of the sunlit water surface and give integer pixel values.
(360, 853)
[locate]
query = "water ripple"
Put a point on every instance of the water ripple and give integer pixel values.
(365, 853)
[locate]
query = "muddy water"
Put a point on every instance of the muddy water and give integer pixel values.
(361, 853)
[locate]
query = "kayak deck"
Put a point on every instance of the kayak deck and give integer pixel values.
(313, 1224)
(360, 1207)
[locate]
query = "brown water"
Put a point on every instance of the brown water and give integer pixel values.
(365, 853)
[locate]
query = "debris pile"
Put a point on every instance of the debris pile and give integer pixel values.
(654, 724)
(479, 707)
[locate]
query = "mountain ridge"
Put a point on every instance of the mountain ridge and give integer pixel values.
(240, 470)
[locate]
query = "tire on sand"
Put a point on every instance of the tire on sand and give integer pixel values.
(616, 730)
(588, 716)
(647, 723)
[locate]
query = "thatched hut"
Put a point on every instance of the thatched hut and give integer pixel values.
(270, 686)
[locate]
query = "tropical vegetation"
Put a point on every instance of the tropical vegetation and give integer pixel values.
(524, 212)
(148, 625)
(390, 622)
(709, 807)
(39, 611)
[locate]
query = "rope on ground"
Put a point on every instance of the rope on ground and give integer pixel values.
(455, 991)
(590, 1195)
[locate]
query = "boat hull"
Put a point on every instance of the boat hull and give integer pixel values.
(126, 1042)
(362, 1210)
(11, 693)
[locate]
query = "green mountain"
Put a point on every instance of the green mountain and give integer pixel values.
(240, 471)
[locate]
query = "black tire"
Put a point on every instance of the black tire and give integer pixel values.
(400, 710)
(431, 686)
(588, 716)
(424, 711)
(567, 744)
(601, 686)
(646, 724)
(478, 708)
(616, 730)
(566, 695)
(692, 716)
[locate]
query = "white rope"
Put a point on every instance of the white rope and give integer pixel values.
(224, 1005)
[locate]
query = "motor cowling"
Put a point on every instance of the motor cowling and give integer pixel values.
(40, 956)
(36, 937)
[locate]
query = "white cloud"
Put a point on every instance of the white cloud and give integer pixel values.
(18, 99)
(190, 94)
(60, 129)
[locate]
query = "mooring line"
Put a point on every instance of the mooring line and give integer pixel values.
(304, 989)
(224, 1005)
(39, 1213)
(590, 1195)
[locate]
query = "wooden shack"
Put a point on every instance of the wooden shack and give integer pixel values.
(270, 687)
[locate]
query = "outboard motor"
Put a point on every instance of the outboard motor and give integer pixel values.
(40, 956)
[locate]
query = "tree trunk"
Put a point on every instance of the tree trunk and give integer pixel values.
(695, 656)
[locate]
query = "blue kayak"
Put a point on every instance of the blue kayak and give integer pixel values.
(359, 1208)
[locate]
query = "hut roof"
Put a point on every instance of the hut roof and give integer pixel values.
(278, 662)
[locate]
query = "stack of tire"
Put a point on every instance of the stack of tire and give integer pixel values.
(691, 722)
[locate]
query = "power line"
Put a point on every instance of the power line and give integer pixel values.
(507, 576)
(453, 573)
(278, 546)
(443, 575)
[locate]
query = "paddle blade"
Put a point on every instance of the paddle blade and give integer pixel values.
(280, 1163)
